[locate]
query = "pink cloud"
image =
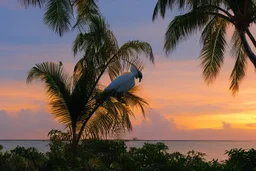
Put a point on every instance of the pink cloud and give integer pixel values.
(26, 124)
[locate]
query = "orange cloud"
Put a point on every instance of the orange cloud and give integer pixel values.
(159, 128)
(176, 90)
(16, 95)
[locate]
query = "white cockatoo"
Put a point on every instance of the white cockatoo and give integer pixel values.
(124, 82)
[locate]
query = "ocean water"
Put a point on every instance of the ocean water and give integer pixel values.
(212, 149)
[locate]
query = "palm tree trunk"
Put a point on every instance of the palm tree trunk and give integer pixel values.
(85, 122)
(74, 147)
(251, 37)
(74, 138)
(248, 49)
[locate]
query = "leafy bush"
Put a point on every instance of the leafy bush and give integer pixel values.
(29, 159)
(110, 155)
(150, 157)
(240, 160)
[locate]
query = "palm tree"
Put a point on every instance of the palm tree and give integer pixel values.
(78, 101)
(63, 15)
(213, 18)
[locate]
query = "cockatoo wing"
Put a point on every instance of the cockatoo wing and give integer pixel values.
(122, 83)
(126, 86)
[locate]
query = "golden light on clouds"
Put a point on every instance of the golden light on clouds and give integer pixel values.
(174, 89)
(177, 91)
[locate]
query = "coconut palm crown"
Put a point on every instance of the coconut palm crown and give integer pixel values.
(213, 18)
(76, 100)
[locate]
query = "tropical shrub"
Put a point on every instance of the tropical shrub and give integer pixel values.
(113, 155)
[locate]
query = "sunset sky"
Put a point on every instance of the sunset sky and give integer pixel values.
(182, 106)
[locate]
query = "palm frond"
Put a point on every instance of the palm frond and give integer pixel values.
(127, 55)
(98, 40)
(161, 7)
(236, 44)
(181, 27)
(113, 115)
(58, 15)
(109, 118)
(99, 125)
(86, 12)
(212, 54)
(35, 3)
(130, 51)
(136, 48)
(78, 43)
(86, 76)
(238, 72)
(134, 101)
(118, 67)
(115, 69)
(57, 84)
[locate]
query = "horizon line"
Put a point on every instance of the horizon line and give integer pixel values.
(122, 139)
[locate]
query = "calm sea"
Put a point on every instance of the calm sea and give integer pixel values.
(213, 149)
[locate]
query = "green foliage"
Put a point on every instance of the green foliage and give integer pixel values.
(29, 159)
(113, 155)
(150, 157)
(63, 15)
(1, 147)
(57, 135)
(240, 159)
